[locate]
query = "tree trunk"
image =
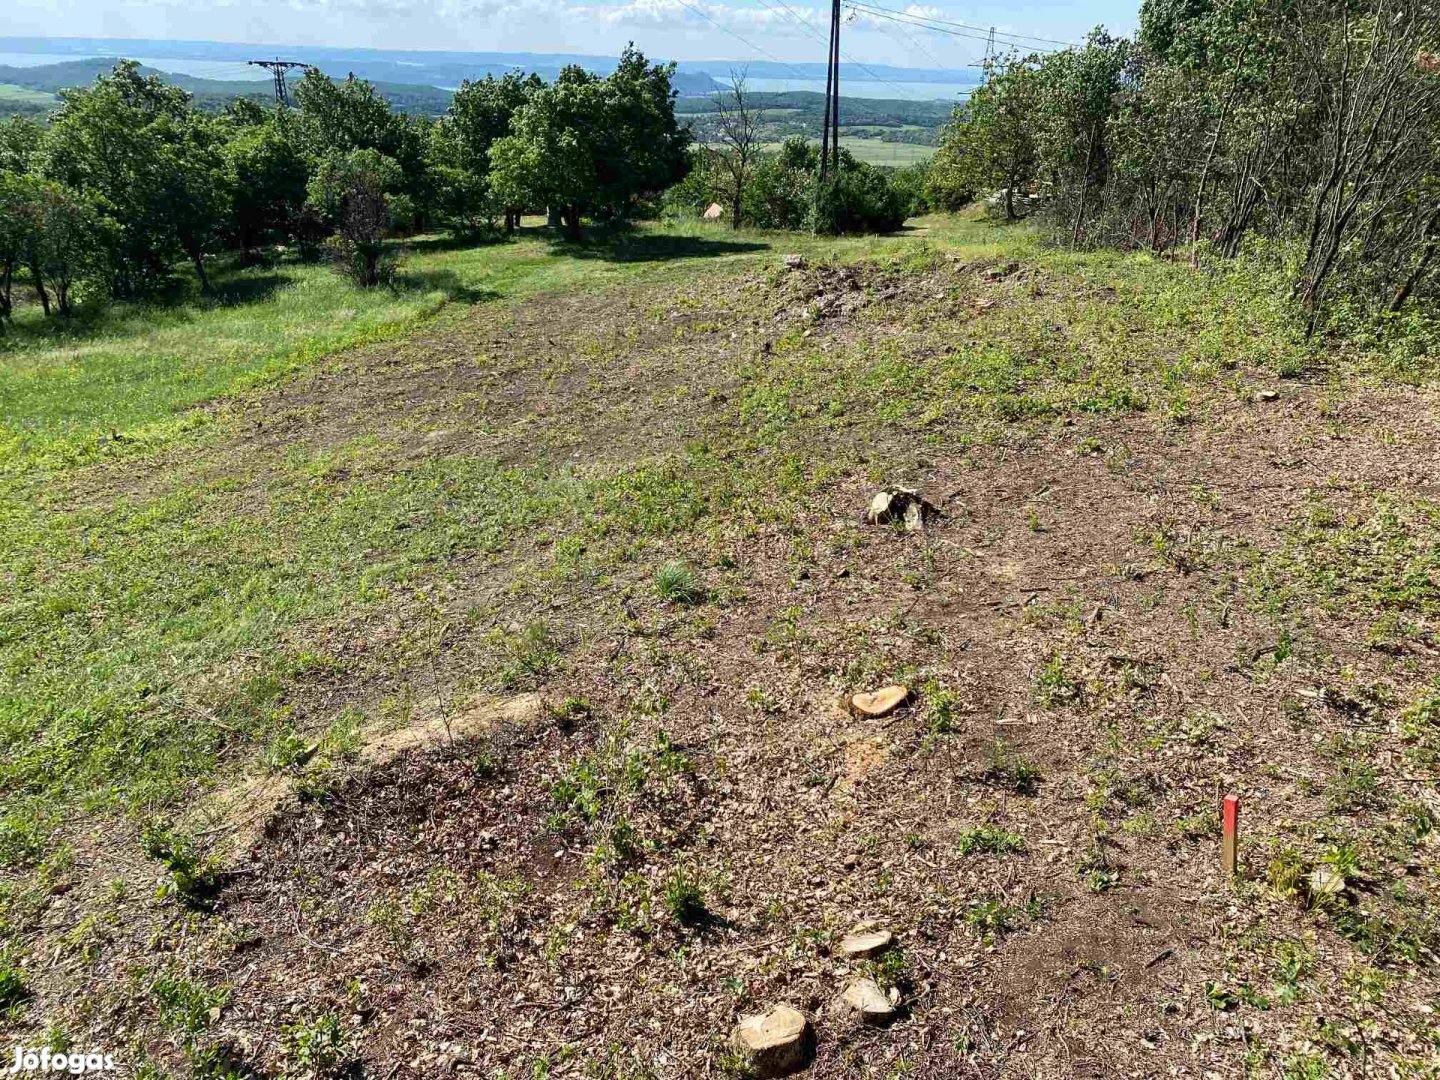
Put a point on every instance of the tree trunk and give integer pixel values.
(198, 258)
(735, 206)
(1085, 186)
(40, 290)
(572, 223)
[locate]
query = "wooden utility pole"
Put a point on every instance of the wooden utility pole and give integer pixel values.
(277, 69)
(835, 63)
(830, 88)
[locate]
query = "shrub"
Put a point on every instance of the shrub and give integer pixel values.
(193, 880)
(860, 199)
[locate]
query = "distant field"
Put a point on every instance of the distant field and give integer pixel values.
(876, 152)
(12, 95)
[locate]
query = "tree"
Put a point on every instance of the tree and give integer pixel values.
(338, 117)
(20, 140)
(138, 150)
(550, 156)
(342, 116)
(268, 174)
(67, 243)
(783, 190)
(480, 114)
(737, 129)
(15, 228)
(351, 190)
(992, 143)
(52, 232)
(590, 145)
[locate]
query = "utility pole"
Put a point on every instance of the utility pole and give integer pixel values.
(830, 136)
(278, 68)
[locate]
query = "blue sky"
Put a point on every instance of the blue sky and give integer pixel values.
(670, 28)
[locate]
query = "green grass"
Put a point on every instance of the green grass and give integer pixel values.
(151, 634)
(12, 95)
(126, 378)
(880, 152)
(122, 379)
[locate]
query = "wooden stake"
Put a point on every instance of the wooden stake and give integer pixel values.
(1230, 840)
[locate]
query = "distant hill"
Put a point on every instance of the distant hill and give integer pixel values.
(447, 69)
(209, 93)
(32, 91)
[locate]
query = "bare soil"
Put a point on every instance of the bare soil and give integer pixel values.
(1091, 605)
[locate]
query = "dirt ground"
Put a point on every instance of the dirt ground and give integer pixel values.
(1114, 621)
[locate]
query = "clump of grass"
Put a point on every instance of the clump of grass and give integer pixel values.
(990, 840)
(1008, 768)
(527, 656)
(185, 1004)
(677, 583)
(992, 918)
(1096, 869)
(13, 987)
(1355, 786)
(570, 712)
(1054, 685)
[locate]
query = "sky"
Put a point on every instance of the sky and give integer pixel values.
(675, 29)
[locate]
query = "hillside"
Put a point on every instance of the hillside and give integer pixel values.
(463, 677)
(872, 125)
(211, 94)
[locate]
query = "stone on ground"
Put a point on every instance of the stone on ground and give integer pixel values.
(900, 505)
(774, 1043)
(714, 212)
(795, 262)
(880, 702)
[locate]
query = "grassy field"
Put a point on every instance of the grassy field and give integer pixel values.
(11, 95)
(879, 152)
(462, 662)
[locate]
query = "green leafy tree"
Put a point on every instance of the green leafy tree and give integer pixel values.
(67, 243)
(992, 143)
(15, 231)
(781, 194)
(480, 115)
(337, 117)
(590, 145)
(268, 174)
(147, 160)
(20, 139)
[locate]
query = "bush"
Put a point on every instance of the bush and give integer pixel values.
(860, 199)
(912, 184)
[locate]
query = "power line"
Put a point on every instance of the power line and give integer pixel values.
(910, 38)
(936, 24)
(798, 74)
(811, 26)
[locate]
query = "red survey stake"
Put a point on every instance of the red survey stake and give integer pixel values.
(1230, 840)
